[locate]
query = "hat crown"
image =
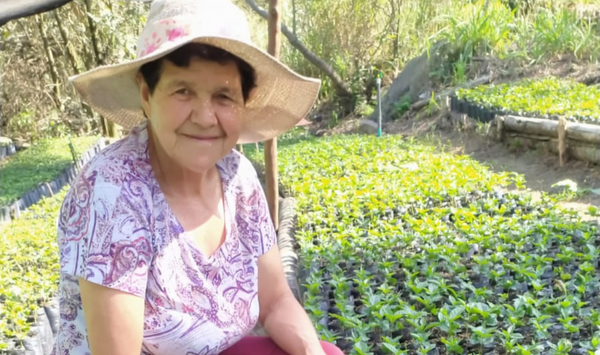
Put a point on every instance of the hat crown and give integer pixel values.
(175, 20)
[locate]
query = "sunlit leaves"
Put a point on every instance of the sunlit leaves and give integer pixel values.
(549, 97)
(30, 266)
(43, 162)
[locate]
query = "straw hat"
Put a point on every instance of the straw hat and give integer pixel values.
(280, 100)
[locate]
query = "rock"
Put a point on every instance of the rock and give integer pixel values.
(413, 81)
(4, 141)
(564, 186)
(367, 126)
(434, 351)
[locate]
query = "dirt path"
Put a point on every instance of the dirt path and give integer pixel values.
(541, 170)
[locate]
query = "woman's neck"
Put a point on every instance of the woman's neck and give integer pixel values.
(173, 178)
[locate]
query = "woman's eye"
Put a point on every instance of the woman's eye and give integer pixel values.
(223, 97)
(183, 92)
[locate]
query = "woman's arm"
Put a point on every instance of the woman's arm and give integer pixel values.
(114, 319)
(283, 318)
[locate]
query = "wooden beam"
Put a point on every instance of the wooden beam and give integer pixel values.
(531, 126)
(271, 173)
(15, 9)
(584, 132)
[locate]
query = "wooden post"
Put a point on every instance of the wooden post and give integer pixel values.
(271, 176)
(562, 140)
(500, 128)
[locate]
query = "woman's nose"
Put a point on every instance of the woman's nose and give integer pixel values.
(203, 113)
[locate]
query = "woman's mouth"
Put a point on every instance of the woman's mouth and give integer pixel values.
(202, 138)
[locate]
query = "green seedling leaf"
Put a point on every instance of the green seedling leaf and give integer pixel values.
(390, 349)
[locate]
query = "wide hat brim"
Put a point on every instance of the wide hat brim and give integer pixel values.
(280, 100)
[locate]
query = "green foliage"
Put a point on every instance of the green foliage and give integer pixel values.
(543, 31)
(562, 32)
(353, 36)
(397, 236)
(37, 99)
(548, 98)
(364, 110)
(29, 259)
(401, 107)
(43, 162)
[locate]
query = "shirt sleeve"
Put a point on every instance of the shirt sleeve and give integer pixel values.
(104, 235)
(254, 217)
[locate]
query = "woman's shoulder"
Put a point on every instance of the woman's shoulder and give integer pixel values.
(118, 177)
(122, 161)
(239, 172)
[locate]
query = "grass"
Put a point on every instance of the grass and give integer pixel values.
(43, 162)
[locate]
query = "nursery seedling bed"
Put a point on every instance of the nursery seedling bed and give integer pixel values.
(29, 277)
(42, 162)
(548, 98)
(409, 250)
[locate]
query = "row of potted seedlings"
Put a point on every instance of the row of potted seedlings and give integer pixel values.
(548, 98)
(409, 251)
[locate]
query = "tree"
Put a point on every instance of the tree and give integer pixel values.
(342, 88)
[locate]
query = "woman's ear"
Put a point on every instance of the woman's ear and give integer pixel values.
(144, 94)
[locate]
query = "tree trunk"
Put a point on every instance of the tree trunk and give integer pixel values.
(50, 59)
(73, 61)
(108, 128)
(396, 26)
(342, 88)
(69, 49)
(271, 176)
(92, 29)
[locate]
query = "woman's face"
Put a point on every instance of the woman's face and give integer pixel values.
(195, 113)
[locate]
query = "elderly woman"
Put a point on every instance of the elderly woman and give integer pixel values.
(166, 243)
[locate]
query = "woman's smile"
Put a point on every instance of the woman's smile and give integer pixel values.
(201, 138)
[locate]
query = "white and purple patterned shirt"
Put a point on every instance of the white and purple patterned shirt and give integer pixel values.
(117, 230)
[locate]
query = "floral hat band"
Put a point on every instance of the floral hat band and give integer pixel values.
(280, 100)
(176, 27)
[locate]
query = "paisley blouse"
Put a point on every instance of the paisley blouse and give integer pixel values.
(116, 229)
